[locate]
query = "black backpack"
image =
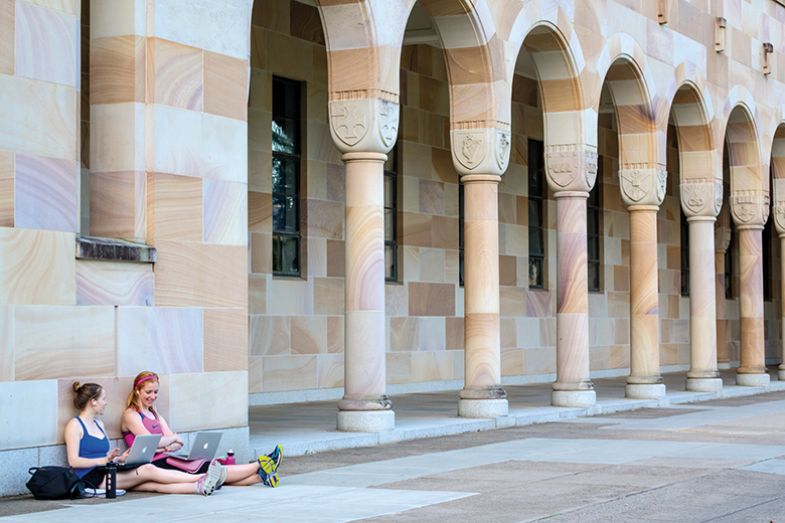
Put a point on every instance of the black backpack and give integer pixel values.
(55, 483)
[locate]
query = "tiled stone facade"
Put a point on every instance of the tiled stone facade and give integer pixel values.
(151, 121)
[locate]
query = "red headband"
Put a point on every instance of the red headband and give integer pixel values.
(146, 378)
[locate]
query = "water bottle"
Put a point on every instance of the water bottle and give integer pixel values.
(111, 479)
(230, 458)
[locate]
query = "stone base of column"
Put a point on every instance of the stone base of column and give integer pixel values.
(645, 391)
(469, 408)
(704, 384)
(366, 420)
(573, 398)
(753, 380)
(781, 375)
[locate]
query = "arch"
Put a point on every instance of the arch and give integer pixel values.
(778, 152)
(623, 66)
(559, 61)
(690, 114)
(741, 141)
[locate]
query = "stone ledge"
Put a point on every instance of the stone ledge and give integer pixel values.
(113, 249)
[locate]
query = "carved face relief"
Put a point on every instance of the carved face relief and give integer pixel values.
(388, 122)
(635, 184)
(349, 120)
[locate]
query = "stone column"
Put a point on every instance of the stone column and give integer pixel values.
(701, 200)
(481, 156)
(722, 234)
(364, 130)
(642, 190)
(750, 209)
(779, 224)
(572, 171)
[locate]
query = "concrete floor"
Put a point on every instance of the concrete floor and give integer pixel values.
(718, 460)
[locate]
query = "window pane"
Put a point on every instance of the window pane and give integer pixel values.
(286, 136)
(285, 255)
(389, 190)
(389, 224)
(535, 213)
(594, 276)
(285, 171)
(594, 248)
(389, 263)
(536, 247)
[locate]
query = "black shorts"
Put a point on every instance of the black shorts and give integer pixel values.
(95, 477)
(162, 464)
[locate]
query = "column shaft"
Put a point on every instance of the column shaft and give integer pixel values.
(573, 385)
(644, 379)
(482, 339)
(364, 356)
(781, 372)
(703, 374)
(751, 298)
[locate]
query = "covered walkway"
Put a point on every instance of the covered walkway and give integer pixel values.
(304, 428)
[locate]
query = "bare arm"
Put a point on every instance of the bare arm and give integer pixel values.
(73, 433)
(173, 444)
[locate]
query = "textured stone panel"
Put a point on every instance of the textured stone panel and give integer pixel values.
(16, 463)
(260, 212)
(7, 31)
(107, 283)
(46, 195)
(225, 339)
(42, 120)
(177, 74)
(40, 424)
(330, 370)
(174, 207)
(269, 335)
(290, 372)
(308, 335)
(328, 295)
(191, 274)
(215, 25)
(6, 188)
(53, 58)
(225, 212)
(6, 343)
(118, 204)
(117, 69)
(209, 400)
(37, 267)
(257, 294)
(224, 86)
(116, 133)
(404, 333)
(431, 299)
(62, 341)
(168, 340)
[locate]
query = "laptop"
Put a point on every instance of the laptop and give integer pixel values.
(204, 446)
(142, 451)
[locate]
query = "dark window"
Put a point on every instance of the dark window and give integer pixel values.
(538, 192)
(685, 255)
(460, 234)
(594, 232)
(391, 216)
(286, 176)
(767, 261)
(729, 264)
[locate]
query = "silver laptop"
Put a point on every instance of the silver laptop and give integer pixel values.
(143, 449)
(204, 446)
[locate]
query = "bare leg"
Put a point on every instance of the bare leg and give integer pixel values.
(147, 473)
(237, 473)
(167, 488)
(250, 480)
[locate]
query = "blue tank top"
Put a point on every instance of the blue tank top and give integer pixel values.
(91, 447)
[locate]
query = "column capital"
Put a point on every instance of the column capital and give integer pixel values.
(364, 124)
(701, 197)
(778, 208)
(749, 208)
(481, 150)
(643, 184)
(571, 167)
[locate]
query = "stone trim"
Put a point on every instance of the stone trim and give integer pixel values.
(112, 249)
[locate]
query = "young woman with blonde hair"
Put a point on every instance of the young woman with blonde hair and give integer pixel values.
(141, 417)
(88, 450)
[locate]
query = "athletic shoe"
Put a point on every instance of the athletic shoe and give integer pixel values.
(202, 487)
(213, 477)
(277, 456)
(266, 465)
(271, 480)
(222, 477)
